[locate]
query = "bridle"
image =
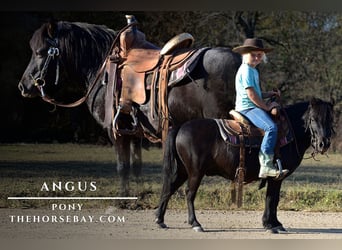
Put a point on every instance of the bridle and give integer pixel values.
(53, 53)
(314, 140)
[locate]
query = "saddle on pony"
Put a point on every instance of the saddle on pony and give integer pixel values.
(241, 128)
(242, 133)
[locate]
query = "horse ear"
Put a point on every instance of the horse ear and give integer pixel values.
(333, 101)
(313, 101)
(52, 28)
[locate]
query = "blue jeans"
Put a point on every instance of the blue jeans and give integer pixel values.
(262, 120)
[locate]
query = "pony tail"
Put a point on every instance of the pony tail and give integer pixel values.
(170, 163)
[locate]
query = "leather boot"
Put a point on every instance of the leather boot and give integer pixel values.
(267, 168)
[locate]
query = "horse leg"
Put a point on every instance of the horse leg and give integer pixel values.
(122, 147)
(193, 184)
(136, 159)
(269, 219)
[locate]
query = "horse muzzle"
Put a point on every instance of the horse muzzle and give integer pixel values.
(323, 145)
(25, 92)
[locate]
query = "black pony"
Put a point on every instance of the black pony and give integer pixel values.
(76, 51)
(197, 149)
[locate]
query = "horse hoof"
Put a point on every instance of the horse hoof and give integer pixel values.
(198, 229)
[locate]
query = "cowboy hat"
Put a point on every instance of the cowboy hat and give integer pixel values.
(251, 44)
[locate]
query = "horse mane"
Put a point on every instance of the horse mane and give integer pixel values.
(83, 46)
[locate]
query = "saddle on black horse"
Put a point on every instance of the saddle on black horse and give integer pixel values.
(137, 65)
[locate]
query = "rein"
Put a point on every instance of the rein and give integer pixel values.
(54, 51)
(314, 140)
(292, 131)
(314, 153)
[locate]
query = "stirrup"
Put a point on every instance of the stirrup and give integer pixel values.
(282, 173)
(124, 131)
(278, 165)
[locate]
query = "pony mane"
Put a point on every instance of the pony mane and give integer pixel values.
(319, 109)
(296, 112)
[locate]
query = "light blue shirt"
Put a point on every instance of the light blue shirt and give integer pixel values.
(246, 77)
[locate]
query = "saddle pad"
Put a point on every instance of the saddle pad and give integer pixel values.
(186, 68)
(230, 131)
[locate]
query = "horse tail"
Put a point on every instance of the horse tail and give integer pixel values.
(171, 162)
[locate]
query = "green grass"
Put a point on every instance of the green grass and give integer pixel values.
(315, 186)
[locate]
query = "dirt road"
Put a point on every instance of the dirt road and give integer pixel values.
(113, 223)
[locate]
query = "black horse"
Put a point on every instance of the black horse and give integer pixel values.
(69, 56)
(197, 149)
(76, 51)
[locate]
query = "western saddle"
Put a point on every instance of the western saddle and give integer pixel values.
(132, 61)
(241, 132)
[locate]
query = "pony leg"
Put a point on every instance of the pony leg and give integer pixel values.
(169, 188)
(269, 219)
(193, 184)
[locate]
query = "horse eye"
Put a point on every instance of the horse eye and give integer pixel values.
(39, 52)
(315, 119)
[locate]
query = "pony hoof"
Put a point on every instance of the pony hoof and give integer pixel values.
(272, 231)
(162, 225)
(280, 229)
(276, 230)
(198, 229)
